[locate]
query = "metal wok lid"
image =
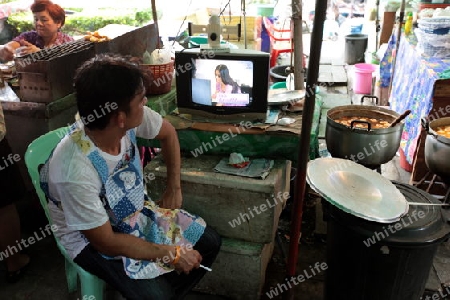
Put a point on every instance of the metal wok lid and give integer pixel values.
(356, 189)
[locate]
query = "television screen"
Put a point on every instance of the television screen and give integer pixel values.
(222, 82)
(222, 86)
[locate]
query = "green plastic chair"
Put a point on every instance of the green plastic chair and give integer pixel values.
(37, 153)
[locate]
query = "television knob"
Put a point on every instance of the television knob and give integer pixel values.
(213, 36)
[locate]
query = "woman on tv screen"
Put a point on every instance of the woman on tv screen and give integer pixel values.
(224, 82)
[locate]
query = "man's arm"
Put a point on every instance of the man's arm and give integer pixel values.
(111, 243)
(170, 148)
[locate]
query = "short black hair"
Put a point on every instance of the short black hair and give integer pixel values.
(106, 78)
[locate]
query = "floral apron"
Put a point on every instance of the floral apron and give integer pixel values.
(131, 211)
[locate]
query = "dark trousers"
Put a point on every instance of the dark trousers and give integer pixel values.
(168, 286)
(12, 187)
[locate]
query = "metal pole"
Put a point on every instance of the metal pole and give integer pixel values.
(397, 42)
(303, 153)
(377, 24)
(245, 23)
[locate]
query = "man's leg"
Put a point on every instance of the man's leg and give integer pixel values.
(208, 246)
(113, 273)
(168, 286)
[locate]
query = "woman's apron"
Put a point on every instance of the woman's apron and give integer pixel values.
(131, 211)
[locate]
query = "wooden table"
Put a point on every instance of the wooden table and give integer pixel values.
(208, 138)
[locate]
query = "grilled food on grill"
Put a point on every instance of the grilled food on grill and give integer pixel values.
(95, 37)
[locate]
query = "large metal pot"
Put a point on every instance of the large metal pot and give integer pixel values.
(366, 146)
(437, 149)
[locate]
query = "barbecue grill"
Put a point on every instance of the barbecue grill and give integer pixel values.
(47, 75)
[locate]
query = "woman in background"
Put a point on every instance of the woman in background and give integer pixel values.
(224, 83)
(48, 20)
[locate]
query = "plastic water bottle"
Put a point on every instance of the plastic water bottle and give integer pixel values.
(409, 23)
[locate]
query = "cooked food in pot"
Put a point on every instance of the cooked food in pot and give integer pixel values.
(444, 131)
(374, 123)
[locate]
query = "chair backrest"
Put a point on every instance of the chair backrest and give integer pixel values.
(37, 154)
(276, 34)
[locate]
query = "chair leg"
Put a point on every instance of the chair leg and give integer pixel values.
(92, 287)
(71, 276)
(273, 58)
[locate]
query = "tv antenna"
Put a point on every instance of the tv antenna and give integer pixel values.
(215, 31)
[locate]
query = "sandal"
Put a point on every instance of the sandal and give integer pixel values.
(13, 277)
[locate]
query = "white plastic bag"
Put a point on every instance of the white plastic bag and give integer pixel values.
(7, 94)
(435, 45)
(160, 56)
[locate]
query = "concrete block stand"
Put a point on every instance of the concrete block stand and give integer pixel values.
(244, 211)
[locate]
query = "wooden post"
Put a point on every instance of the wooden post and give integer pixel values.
(305, 135)
(297, 42)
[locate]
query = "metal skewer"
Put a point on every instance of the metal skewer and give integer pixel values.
(428, 204)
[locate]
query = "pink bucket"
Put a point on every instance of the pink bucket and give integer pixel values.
(362, 82)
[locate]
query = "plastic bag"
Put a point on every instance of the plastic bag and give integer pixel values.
(436, 45)
(160, 56)
(7, 94)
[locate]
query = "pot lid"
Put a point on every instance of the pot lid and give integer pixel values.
(356, 189)
(422, 225)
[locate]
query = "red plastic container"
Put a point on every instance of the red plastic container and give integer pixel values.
(432, 5)
(403, 162)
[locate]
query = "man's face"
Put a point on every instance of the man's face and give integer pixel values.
(136, 113)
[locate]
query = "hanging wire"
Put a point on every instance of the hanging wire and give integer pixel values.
(225, 7)
(182, 23)
(221, 14)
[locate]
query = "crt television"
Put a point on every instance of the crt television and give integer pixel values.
(200, 95)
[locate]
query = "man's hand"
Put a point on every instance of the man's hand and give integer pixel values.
(189, 259)
(171, 198)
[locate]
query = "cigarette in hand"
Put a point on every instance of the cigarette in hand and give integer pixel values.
(206, 268)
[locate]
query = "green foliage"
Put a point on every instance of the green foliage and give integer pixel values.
(80, 22)
(23, 21)
(77, 9)
(142, 17)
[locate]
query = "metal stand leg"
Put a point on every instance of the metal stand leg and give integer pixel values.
(446, 197)
(280, 245)
(421, 181)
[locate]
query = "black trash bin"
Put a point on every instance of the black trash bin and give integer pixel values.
(279, 73)
(366, 261)
(355, 48)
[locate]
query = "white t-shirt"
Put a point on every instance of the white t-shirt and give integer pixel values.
(74, 181)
